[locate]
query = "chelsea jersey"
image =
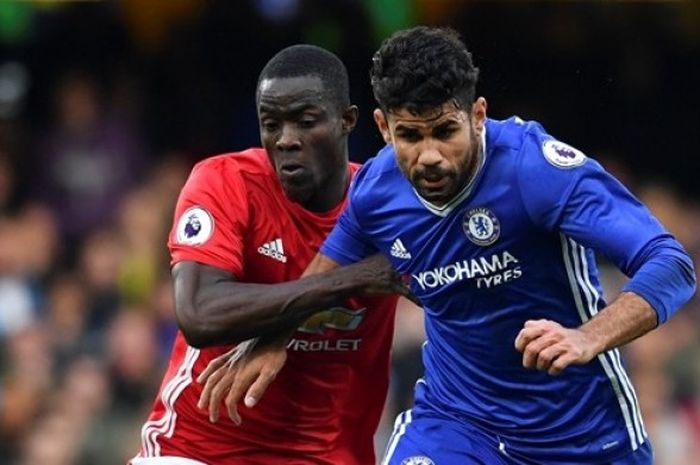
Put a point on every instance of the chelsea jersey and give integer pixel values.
(515, 244)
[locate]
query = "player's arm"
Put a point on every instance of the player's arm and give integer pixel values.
(598, 212)
(252, 366)
(665, 279)
(547, 345)
(249, 375)
(347, 265)
(213, 308)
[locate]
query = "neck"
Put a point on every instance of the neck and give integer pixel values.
(331, 192)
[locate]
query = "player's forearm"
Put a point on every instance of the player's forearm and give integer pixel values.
(625, 319)
(319, 264)
(216, 310)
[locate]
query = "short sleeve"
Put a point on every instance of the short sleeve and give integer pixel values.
(211, 218)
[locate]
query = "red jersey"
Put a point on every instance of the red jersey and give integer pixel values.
(325, 404)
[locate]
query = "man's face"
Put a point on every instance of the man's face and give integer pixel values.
(438, 150)
(303, 133)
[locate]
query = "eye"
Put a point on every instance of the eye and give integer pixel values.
(307, 123)
(269, 125)
(444, 132)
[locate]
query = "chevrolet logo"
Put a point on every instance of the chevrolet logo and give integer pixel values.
(335, 318)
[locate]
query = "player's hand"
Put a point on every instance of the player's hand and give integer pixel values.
(214, 367)
(255, 373)
(381, 278)
(217, 372)
(547, 345)
(214, 378)
(247, 371)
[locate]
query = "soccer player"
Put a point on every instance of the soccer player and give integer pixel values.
(245, 222)
(497, 223)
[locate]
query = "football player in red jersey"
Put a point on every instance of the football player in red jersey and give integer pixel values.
(245, 224)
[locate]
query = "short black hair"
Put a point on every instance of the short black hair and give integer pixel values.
(310, 60)
(422, 68)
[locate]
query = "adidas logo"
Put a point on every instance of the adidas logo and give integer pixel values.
(399, 251)
(273, 249)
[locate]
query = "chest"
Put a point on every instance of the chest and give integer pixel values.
(280, 242)
(486, 243)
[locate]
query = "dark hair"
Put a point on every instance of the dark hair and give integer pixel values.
(422, 68)
(309, 60)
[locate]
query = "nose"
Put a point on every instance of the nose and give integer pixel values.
(289, 139)
(429, 155)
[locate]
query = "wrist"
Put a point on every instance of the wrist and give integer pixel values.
(595, 342)
(348, 281)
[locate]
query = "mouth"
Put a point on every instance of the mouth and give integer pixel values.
(293, 175)
(291, 169)
(433, 182)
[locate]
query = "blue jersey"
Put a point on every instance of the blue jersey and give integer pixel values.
(516, 244)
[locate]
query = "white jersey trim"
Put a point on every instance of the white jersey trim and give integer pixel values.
(164, 461)
(577, 271)
(172, 390)
(402, 421)
(614, 355)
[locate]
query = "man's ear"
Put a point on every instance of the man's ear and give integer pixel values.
(479, 114)
(382, 125)
(350, 116)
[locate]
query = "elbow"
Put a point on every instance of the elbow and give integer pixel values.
(201, 332)
(692, 274)
(689, 275)
(193, 330)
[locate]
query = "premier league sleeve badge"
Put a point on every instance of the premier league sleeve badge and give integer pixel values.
(194, 227)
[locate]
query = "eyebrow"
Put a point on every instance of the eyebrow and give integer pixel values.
(289, 109)
(401, 126)
(446, 123)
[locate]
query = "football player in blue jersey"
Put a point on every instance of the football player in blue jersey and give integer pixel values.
(496, 223)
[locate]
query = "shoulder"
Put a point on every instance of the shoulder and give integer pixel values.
(378, 185)
(253, 160)
(380, 170)
(230, 169)
(537, 154)
(547, 170)
(514, 134)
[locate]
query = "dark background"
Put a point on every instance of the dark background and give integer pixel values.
(616, 79)
(105, 106)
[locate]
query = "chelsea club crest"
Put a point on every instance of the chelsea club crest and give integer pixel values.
(418, 460)
(481, 226)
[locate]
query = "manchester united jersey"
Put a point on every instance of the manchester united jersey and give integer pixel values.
(324, 405)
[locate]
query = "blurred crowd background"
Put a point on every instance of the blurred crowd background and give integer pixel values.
(105, 106)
